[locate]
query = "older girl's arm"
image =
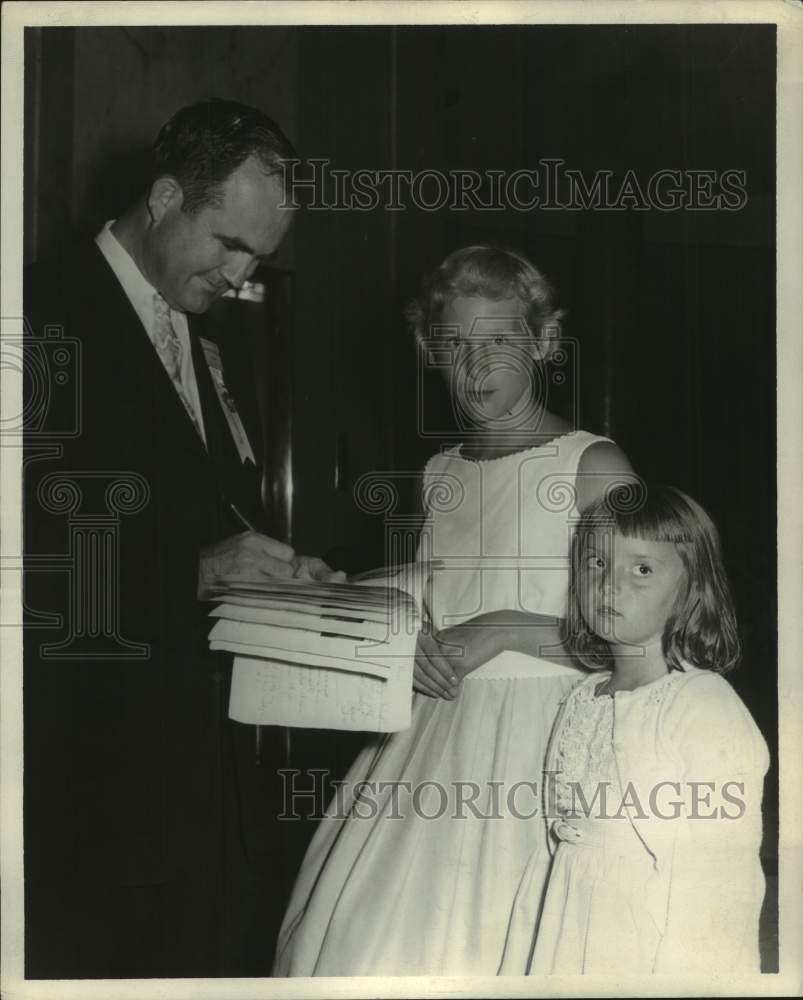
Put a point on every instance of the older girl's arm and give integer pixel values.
(443, 659)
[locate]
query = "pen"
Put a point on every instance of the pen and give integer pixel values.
(257, 729)
(242, 518)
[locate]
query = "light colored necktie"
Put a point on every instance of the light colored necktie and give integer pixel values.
(169, 349)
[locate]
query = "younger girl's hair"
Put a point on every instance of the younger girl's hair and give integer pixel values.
(489, 272)
(702, 627)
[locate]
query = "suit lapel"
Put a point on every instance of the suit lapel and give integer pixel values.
(239, 480)
(133, 346)
(208, 393)
(131, 353)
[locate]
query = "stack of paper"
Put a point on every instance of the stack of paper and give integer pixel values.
(328, 656)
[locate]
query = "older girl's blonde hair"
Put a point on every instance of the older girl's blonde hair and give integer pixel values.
(490, 272)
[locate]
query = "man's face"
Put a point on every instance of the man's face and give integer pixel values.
(193, 258)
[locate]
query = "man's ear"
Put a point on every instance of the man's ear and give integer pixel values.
(165, 195)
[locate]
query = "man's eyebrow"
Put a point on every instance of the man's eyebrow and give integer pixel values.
(235, 243)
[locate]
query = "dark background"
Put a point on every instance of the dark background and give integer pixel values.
(674, 312)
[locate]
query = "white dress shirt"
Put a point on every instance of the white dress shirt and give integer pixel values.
(140, 294)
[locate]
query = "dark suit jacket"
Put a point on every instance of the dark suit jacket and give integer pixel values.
(136, 805)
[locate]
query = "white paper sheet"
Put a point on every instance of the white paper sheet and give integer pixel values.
(268, 692)
(287, 671)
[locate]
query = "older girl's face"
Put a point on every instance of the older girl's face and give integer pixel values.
(492, 376)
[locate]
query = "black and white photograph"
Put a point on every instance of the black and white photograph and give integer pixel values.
(401, 477)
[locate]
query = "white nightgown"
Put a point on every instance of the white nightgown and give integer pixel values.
(422, 878)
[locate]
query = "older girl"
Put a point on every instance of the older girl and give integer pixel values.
(422, 879)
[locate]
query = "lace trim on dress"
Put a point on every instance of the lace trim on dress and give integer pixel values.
(653, 693)
(585, 748)
(656, 692)
(584, 754)
(458, 450)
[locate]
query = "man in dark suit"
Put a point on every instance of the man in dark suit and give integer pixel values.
(147, 827)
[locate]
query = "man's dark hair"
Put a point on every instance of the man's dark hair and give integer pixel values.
(202, 144)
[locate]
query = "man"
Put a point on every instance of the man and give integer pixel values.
(146, 816)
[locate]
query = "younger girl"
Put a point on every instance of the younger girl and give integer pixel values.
(417, 872)
(655, 768)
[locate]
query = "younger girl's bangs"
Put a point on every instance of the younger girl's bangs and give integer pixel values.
(654, 513)
(702, 630)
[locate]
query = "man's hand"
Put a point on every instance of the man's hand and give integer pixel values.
(244, 558)
(313, 568)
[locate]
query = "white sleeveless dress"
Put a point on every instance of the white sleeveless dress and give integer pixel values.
(420, 876)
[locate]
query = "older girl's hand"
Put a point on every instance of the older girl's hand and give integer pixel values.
(443, 659)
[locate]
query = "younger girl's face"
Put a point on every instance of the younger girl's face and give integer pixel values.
(492, 376)
(628, 587)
